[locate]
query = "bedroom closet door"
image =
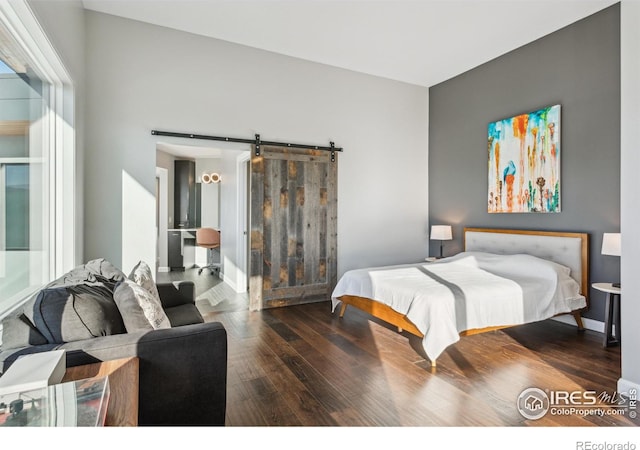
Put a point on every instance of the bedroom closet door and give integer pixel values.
(293, 257)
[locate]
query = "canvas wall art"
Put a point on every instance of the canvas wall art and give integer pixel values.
(524, 163)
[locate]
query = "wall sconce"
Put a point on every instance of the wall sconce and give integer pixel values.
(441, 233)
(208, 178)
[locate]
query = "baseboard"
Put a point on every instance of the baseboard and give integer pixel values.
(625, 386)
(229, 280)
(164, 269)
(589, 324)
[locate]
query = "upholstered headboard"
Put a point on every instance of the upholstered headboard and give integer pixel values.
(566, 248)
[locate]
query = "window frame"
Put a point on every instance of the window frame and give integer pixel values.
(58, 137)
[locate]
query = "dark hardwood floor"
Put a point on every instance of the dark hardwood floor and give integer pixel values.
(304, 366)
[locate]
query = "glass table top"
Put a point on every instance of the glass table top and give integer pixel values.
(81, 403)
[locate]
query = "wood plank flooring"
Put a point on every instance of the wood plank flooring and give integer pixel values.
(304, 366)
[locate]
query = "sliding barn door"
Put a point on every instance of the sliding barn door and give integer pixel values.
(293, 227)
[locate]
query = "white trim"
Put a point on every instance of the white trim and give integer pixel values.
(162, 175)
(20, 20)
(27, 160)
(240, 285)
(66, 179)
(624, 386)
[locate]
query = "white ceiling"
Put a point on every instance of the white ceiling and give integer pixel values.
(422, 42)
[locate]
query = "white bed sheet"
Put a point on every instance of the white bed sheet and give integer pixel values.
(467, 291)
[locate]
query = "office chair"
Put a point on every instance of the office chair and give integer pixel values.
(210, 239)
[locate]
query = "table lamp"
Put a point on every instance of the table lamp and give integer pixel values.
(611, 245)
(440, 233)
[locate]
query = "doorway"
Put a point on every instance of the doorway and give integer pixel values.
(223, 209)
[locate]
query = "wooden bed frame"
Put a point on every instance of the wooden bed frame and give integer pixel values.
(386, 314)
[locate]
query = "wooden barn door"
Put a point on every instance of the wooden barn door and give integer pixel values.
(293, 227)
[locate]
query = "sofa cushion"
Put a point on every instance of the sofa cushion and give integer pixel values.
(186, 314)
(72, 313)
(176, 293)
(18, 331)
(139, 309)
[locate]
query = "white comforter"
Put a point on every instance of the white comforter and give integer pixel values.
(467, 291)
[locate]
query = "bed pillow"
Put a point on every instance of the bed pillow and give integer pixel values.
(509, 261)
(560, 269)
(140, 310)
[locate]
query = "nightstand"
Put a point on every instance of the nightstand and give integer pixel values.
(613, 294)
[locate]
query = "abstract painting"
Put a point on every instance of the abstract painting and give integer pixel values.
(524, 163)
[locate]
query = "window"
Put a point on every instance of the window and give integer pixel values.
(16, 211)
(35, 245)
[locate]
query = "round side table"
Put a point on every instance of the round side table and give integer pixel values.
(613, 294)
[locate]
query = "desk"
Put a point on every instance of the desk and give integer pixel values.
(181, 248)
(123, 374)
(613, 294)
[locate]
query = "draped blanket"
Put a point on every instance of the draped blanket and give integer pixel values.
(467, 291)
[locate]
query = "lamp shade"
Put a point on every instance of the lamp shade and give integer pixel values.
(611, 244)
(441, 232)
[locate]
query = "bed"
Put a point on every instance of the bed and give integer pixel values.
(502, 278)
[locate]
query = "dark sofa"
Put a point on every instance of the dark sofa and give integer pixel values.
(183, 369)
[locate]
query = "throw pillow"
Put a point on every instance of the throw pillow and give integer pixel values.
(140, 310)
(73, 313)
(142, 275)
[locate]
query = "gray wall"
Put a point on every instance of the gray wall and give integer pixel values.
(142, 77)
(577, 67)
